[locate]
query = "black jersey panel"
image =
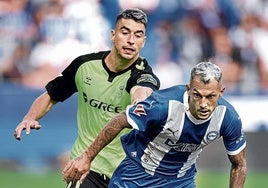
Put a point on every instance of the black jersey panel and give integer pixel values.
(142, 75)
(64, 85)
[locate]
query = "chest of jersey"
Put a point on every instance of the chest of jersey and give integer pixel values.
(177, 143)
(97, 91)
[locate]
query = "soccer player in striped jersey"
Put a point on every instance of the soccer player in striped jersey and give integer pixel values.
(169, 130)
(106, 82)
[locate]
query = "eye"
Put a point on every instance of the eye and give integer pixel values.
(196, 95)
(139, 35)
(211, 96)
(125, 32)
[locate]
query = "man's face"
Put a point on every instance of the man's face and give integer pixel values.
(203, 97)
(128, 38)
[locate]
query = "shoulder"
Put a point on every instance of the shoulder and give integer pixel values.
(229, 107)
(142, 75)
(172, 93)
(89, 57)
(140, 66)
(231, 117)
(177, 90)
(80, 60)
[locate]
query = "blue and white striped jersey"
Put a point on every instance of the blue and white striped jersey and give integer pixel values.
(166, 139)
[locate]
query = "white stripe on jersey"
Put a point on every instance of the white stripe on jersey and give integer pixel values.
(213, 130)
(172, 130)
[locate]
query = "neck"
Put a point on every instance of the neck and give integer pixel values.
(115, 62)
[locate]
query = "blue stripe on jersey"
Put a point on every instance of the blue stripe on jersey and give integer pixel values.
(167, 139)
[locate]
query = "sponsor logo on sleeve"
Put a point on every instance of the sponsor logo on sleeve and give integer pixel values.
(241, 138)
(139, 110)
(147, 78)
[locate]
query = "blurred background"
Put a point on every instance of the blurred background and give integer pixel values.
(39, 38)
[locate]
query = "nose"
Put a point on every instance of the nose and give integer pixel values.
(131, 39)
(203, 103)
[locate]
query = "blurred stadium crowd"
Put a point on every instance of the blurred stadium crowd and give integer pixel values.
(39, 38)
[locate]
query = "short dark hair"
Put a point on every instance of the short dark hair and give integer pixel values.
(133, 13)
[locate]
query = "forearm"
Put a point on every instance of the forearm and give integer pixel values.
(111, 130)
(40, 107)
(139, 93)
(238, 170)
(79, 168)
(238, 177)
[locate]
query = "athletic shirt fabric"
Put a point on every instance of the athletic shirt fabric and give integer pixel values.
(101, 95)
(166, 139)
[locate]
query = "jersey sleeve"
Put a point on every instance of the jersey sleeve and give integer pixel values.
(142, 75)
(63, 86)
(147, 115)
(233, 136)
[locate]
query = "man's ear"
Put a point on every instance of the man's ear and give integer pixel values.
(222, 90)
(112, 35)
(144, 41)
(188, 88)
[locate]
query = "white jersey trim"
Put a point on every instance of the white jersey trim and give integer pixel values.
(238, 150)
(130, 121)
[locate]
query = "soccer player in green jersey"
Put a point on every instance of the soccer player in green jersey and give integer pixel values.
(106, 83)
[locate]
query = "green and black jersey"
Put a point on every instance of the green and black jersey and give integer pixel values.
(101, 95)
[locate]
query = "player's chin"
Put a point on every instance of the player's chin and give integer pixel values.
(128, 54)
(203, 116)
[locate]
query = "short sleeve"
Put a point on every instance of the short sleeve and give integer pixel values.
(142, 75)
(63, 86)
(234, 137)
(148, 114)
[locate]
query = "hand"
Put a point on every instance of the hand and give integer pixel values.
(77, 169)
(26, 125)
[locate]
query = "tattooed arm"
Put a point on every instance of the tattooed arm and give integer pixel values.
(239, 170)
(78, 168)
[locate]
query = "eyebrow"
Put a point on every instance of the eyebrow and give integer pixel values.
(212, 93)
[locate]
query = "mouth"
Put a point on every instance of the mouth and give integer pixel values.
(128, 50)
(204, 112)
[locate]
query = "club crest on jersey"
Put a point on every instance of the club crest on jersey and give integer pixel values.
(212, 135)
(120, 91)
(139, 110)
